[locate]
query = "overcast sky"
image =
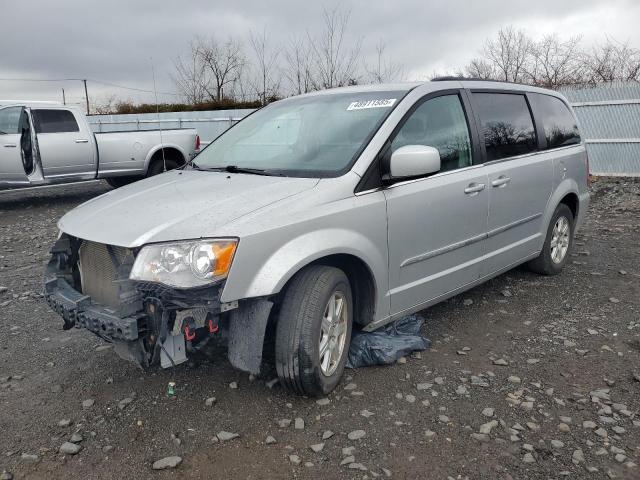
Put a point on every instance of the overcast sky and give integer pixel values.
(114, 40)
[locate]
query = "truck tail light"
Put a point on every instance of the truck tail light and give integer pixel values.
(197, 142)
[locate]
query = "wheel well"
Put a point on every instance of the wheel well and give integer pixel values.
(571, 201)
(169, 154)
(361, 281)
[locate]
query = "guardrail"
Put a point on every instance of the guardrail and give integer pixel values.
(179, 121)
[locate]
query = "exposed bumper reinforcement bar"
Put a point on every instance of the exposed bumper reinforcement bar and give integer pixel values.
(77, 310)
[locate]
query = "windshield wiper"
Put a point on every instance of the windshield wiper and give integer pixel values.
(236, 169)
(251, 171)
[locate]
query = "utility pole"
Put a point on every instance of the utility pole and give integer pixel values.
(86, 95)
(64, 100)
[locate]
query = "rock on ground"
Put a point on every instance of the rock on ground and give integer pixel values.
(167, 462)
(225, 436)
(69, 448)
(356, 435)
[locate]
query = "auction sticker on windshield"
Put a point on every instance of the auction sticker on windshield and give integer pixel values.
(380, 103)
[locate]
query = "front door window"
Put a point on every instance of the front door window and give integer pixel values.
(440, 123)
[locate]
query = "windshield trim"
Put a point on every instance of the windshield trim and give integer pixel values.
(304, 173)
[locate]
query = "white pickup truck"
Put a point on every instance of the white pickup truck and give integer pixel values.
(47, 143)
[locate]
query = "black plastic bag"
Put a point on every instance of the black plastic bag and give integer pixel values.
(387, 345)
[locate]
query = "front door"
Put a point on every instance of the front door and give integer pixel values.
(436, 225)
(19, 163)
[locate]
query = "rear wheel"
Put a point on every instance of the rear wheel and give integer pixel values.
(314, 330)
(117, 182)
(557, 243)
(158, 166)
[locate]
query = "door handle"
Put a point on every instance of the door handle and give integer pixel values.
(82, 140)
(474, 188)
(10, 145)
(501, 181)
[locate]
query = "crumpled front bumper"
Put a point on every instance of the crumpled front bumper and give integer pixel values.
(77, 310)
(150, 317)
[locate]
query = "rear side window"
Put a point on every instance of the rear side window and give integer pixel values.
(560, 126)
(506, 123)
(10, 120)
(54, 121)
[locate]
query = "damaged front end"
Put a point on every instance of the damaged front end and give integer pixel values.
(88, 284)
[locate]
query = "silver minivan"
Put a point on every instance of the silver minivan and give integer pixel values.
(340, 209)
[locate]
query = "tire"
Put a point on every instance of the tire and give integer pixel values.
(157, 167)
(117, 182)
(546, 263)
(300, 330)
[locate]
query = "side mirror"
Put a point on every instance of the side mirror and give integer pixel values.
(414, 161)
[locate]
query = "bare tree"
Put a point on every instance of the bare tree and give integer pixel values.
(223, 63)
(509, 54)
(241, 87)
(552, 61)
(555, 62)
(482, 69)
(106, 105)
(383, 69)
(190, 77)
(298, 67)
(266, 84)
(612, 61)
(335, 64)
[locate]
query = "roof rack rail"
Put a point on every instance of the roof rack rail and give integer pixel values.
(474, 79)
(446, 78)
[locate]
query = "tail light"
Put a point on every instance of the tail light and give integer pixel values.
(197, 142)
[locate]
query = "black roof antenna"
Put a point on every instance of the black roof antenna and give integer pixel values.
(155, 91)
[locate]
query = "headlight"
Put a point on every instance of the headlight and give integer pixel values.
(185, 264)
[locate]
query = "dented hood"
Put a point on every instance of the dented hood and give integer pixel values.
(176, 205)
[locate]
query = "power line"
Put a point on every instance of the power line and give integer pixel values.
(40, 79)
(100, 82)
(130, 88)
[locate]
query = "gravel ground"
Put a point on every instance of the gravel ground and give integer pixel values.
(528, 377)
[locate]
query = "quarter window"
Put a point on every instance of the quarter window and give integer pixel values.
(506, 124)
(10, 120)
(439, 123)
(54, 121)
(559, 124)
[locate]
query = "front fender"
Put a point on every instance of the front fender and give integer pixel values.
(248, 279)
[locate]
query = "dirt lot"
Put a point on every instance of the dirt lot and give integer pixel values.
(528, 377)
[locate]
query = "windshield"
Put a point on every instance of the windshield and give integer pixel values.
(313, 136)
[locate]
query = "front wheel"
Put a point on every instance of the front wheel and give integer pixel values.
(314, 330)
(557, 243)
